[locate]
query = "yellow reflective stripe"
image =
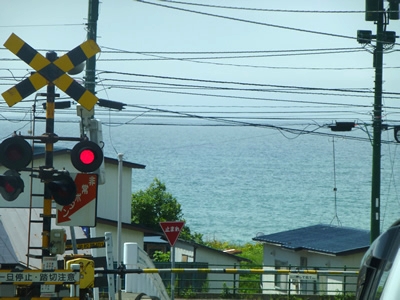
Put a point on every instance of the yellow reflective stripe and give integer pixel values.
(38, 81)
(88, 100)
(90, 48)
(63, 82)
(50, 106)
(24, 89)
(12, 96)
(64, 63)
(150, 270)
(14, 43)
(39, 62)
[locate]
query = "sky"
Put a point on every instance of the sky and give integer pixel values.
(295, 64)
(286, 62)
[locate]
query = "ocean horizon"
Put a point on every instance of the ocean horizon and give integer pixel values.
(237, 182)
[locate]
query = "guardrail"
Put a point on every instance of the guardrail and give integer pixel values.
(267, 280)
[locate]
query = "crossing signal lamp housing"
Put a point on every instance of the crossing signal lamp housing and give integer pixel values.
(63, 189)
(86, 156)
(397, 133)
(15, 155)
(11, 185)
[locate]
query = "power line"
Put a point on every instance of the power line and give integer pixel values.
(41, 25)
(269, 9)
(122, 51)
(248, 21)
(261, 85)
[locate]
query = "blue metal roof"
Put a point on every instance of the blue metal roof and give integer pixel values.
(154, 239)
(320, 238)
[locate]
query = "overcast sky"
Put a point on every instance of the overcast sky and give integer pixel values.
(220, 56)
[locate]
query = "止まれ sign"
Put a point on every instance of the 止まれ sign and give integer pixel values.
(172, 229)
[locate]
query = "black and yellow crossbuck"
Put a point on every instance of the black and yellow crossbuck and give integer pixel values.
(54, 72)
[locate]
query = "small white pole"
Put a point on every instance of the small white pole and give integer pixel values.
(120, 156)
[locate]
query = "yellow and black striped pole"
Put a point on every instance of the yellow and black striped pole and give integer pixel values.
(50, 110)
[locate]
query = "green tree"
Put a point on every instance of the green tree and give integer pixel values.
(155, 205)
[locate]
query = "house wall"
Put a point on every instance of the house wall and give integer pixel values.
(127, 236)
(107, 196)
(274, 255)
(216, 281)
(184, 251)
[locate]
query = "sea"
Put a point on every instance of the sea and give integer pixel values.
(235, 183)
(238, 182)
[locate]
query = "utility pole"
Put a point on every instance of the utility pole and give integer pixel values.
(93, 16)
(375, 12)
(377, 127)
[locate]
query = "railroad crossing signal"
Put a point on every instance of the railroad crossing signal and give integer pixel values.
(51, 72)
(63, 189)
(15, 154)
(87, 156)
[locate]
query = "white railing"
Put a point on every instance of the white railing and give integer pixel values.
(149, 284)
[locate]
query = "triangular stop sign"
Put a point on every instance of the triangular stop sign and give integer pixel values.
(172, 229)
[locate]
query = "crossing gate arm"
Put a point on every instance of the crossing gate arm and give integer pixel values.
(122, 271)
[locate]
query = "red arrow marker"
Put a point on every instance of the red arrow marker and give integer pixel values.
(85, 193)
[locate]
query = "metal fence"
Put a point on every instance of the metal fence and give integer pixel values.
(196, 279)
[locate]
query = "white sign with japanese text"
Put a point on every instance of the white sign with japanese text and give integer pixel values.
(39, 276)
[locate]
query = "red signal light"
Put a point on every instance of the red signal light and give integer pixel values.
(9, 188)
(86, 156)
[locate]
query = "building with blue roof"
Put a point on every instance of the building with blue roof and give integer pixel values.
(314, 247)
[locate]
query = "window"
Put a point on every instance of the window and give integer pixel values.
(303, 262)
(281, 280)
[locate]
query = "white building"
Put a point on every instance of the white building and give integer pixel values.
(194, 255)
(318, 247)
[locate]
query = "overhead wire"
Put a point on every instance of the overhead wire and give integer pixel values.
(246, 21)
(251, 21)
(263, 85)
(285, 87)
(267, 9)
